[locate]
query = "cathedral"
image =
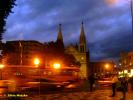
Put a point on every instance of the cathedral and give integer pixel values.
(78, 51)
(23, 52)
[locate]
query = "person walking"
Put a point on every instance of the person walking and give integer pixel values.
(114, 82)
(91, 81)
(124, 86)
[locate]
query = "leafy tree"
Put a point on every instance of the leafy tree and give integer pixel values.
(70, 60)
(5, 10)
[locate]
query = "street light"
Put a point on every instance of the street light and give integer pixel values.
(36, 62)
(107, 69)
(131, 7)
(1, 67)
(107, 66)
(56, 65)
(131, 4)
(21, 55)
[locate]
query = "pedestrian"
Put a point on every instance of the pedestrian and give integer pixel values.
(91, 81)
(124, 87)
(114, 82)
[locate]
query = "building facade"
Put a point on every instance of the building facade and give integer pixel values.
(126, 63)
(79, 51)
(22, 52)
(102, 68)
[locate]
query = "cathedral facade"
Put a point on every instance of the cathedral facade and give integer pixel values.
(79, 51)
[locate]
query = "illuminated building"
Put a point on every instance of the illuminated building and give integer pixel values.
(102, 68)
(126, 64)
(79, 51)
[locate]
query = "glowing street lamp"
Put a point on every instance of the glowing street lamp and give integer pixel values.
(1, 67)
(36, 62)
(107, 66)
(56, 66)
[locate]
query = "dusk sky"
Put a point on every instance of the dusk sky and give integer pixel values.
(107, 24)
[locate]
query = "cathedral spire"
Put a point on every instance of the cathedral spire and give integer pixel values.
(82, 35)
(82, 41)
(60, 38)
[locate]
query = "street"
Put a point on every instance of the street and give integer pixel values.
(82, 93)
(96, 95)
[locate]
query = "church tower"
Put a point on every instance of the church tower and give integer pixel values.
(82, 40)
(83, 57)
(59, 40)
(81, 54)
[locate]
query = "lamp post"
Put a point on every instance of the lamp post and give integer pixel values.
(56, 67)
(36, 63)
(107, 69)
(1, 67)
(131, 7)
(131, 4)
(21, 55)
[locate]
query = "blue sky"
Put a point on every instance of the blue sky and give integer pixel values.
(107, 24)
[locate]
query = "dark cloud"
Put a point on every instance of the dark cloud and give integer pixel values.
(112, 46)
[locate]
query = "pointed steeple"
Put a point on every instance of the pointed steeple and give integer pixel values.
(82, 35)
(82, 41)
(60, 38)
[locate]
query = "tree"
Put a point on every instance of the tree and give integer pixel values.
(70, 60)
(5, 10)
(53, 53)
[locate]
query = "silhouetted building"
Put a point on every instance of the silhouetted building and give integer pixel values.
(22, 52)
